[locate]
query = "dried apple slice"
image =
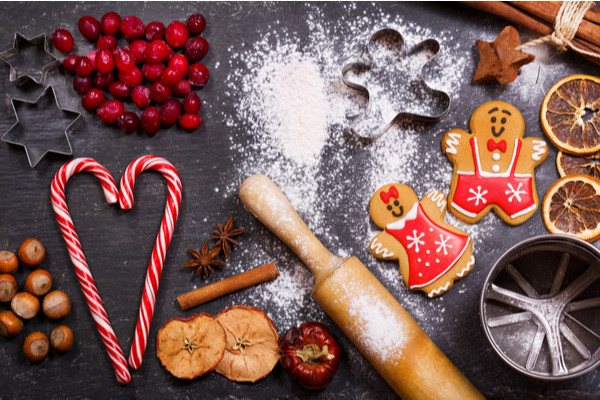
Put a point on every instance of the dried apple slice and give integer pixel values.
(252, 349)
(191, 347)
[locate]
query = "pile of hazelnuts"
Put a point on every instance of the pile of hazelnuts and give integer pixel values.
(25, 305)
(149, 57)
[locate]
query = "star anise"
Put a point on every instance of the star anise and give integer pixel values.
(224, 236)
(205, 261)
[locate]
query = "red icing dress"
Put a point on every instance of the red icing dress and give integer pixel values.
(432, 250)
(513, 193)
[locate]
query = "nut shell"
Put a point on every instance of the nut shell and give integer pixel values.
(32, 252)
(36, 347)
(10, 324)
(8, 288)
(25, 305)
(9, 263)
(61, 338)
(39, 282)
(56, 304)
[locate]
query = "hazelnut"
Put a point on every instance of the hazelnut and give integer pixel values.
(61, 338)
(8, 288)
(8, 262)
(36, 347)
(10, 324)
(56, 304)
(25, 305)
(32, 252)
(38, 282)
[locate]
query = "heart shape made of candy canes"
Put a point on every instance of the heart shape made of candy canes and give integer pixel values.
(84, 275)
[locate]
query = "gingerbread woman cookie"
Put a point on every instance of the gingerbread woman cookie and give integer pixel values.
(432, 254)
(493, 165)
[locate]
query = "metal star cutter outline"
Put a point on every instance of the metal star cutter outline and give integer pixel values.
(35, 52)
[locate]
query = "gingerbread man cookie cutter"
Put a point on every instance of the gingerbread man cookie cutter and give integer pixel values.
(29, 59)
(394, 86)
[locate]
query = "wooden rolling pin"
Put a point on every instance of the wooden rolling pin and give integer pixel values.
(361, 306)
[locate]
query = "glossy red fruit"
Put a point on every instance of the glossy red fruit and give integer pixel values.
(102, 81)
(190, 122)
(119, 90)
(177, 34)
(192, 103)
(132, 28)
(170, 111)
(82, 84)
(92, 99)
(196, 24)
(170, 76)
(156, 51)
(107, 41)
(141, 96)
(89, 28)
(105, 60)
(124, 59)
(129, 121)
(110, 111)
(196, 49)
(181, 63)
(83, 66)
(138, 48)
(198, 75)
(132, 78)
(69, 64)
(92, 57)
(170, 52)
(159, 92)
(153, 72)
(182, 88)
(62, 40)
(151, 120)
(155, 30)
(110, 23)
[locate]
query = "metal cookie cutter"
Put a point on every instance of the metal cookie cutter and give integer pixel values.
(36, 129)
(392, 79)
(540, 307)
(29, 59)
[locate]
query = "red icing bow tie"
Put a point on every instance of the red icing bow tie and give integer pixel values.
(392, 193)
(500, 145)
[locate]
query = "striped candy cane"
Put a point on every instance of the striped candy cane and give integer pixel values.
(78, 258)
(138, 347)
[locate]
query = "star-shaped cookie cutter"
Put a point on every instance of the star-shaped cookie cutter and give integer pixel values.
(16, 137)
(40, 44)
(409, 97)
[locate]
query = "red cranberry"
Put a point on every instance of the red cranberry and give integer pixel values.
(170, 111)
(141, 96)
(119, 90)
(62, 40)
(82, 84)
(182, 88)
(171, 76)
(198, 75)
(190, 122)
(110, 111)
(159, 92)
(152, 72)
(138, 48)
(107, 41)
(177, 34)
(105, 60)
(132, 28)
(124, 59)
(181, 63)
(151, 120)
(192, 103)
(89, 28)
(170, 52)
(110, 23)
(92, 99)
(196, 49)
(129, 122)
(155, 30)
(156, 51)
(83, 66)
(196, 24)
(92, 57)
(69, 64)
(102, 81)
(132, 78)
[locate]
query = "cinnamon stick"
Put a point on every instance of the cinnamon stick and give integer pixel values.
(593, 14)
(229, 285)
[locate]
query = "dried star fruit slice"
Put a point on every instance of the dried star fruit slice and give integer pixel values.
(572, 206)
(252, 349)
(191, 347)
(565, 112)
(569, 164)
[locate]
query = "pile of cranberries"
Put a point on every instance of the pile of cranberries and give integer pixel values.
(147, 71)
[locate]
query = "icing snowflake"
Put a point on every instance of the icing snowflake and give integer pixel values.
(515, 192)
(415, 240)
(444, 245)
(478, 195)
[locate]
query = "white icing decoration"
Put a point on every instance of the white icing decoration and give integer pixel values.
(420, 275)
(415, 241)
(525, 211)
(496, 156)
(515, 192)
(478, 196)
(437, 260)
(399, 225)
(419, 260)
(430, 229)
(538, 148)
(486, 174)
(427, 264)
(496, 168)
(463, 211)
(443, 243)
(439, 290)
(453, 141)
(378, 247)
(438, 198)
(467, 268)
(428, 252)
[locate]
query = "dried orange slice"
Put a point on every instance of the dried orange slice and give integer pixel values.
(572, 206)
(570, 115)
(569, 164)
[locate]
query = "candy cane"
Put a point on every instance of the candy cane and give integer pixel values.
(138, 347)
(78, 258)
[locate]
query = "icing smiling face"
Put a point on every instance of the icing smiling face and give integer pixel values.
(391, 202)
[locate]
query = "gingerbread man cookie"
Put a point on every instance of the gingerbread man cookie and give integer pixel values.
(493, 165)
(432, 254)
